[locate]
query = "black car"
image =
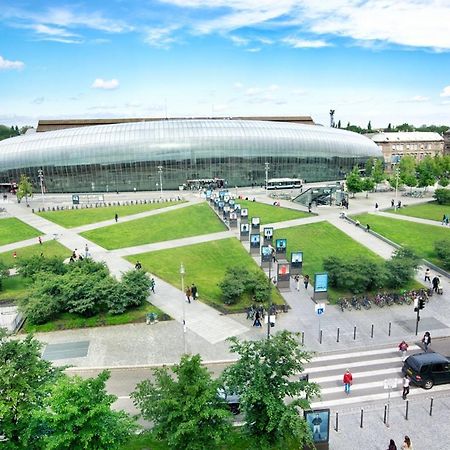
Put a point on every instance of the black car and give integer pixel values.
(427, 369)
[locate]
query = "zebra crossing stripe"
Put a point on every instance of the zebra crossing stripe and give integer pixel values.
(356, 375)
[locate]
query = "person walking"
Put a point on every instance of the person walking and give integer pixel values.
(116, 217)
(426, 340)
(152, 284)
(194, 291)
(257, 321)
(367, 227)
(306, 280)
(427, 275)
(297, 282)
(435, 283)
(376, 207)
(188, 294)
(403, 347)
(392, 205)
(86, 251)
(40, 240)
(347, 380)
(407, 444)
(392, 445)
(405, 387)
(138, 265)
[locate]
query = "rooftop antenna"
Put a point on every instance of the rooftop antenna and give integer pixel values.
(332, 111)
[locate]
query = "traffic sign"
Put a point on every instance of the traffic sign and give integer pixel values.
(320, 309)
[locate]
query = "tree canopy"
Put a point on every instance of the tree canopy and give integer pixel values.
(265, 375)
(186, 409)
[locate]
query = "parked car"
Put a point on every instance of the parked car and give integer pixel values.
(427, 369)
(231, 398)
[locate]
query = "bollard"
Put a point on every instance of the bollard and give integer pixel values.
(389, 332)
(337, 337)
(303, 338)
(337, 422)
(354, 333)
(385, 414)
(362, 418)
(431, 407)
(371, 332)
(320, 339)
(407, 410)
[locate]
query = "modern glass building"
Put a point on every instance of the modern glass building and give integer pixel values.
(139, 155)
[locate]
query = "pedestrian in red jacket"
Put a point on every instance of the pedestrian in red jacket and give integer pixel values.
(348, 380)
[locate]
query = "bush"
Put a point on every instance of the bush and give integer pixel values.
(442, 196)
(401, 267)
(3, 273)
(356, 276)
(232, 288)
(132, 291)
(442, 249)
(30, 267)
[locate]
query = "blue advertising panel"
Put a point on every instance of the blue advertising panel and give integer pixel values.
(254, 240)
(266, 253)
(280, 245)
(321, 282)
(319, 424)
(296, 259)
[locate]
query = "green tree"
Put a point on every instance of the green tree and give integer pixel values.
(186, 410)
(133, 290)
(24, 382)
(407, 167)
(442, 196)
(265, 376)
(389, 128)
(369, 127)
(426, 172)
(404, 127)
(339, 124)
(24, 189)
(354, 182)
(3, 273)
(368, 185)
(401, 268)
(30, 267)
(77, 415)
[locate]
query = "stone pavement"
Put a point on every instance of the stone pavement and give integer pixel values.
(207, 329)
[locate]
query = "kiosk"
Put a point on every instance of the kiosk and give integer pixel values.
(320, 286)
(244, 231)
(244, 215)
(283, 274)
(233, 219)
(280, 247)
(296, 263)
(255, 244)
(266, 256)
(256, 224)
(268, 235)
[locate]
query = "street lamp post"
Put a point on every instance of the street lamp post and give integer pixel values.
(267, 166)
(184, 307)
(160, 169)
(41, 181)
(397, 172)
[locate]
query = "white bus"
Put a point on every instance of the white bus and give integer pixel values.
(284, 183)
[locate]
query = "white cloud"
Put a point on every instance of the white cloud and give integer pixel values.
(5, 64)
(238, 85)
(253, 50)
(237, 40)
(51, 31)
(160, 37)
(305, 43)
(415, 99)
(298, 91)
(100, 83)
(445, 92)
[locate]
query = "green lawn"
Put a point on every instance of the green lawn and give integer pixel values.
(269, 213)
(417, 236)
(76, 217)
(190, 221)
(239, 441)
(68, 321)
(429, 210)
(14, 230)
(318, 241)
(48, 248)
(205, 265)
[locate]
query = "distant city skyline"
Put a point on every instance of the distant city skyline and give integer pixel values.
(382, 61)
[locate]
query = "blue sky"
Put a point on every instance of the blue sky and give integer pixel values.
(379, 60)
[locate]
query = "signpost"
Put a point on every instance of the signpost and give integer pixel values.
(389, 384)
(320, 311)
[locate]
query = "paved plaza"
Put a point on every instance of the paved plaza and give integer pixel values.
(134, 346)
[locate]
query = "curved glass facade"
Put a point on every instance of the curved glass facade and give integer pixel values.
(126, 156)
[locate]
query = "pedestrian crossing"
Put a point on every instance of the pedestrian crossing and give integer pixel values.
(369, 368)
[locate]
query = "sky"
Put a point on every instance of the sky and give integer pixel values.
(384, 61)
